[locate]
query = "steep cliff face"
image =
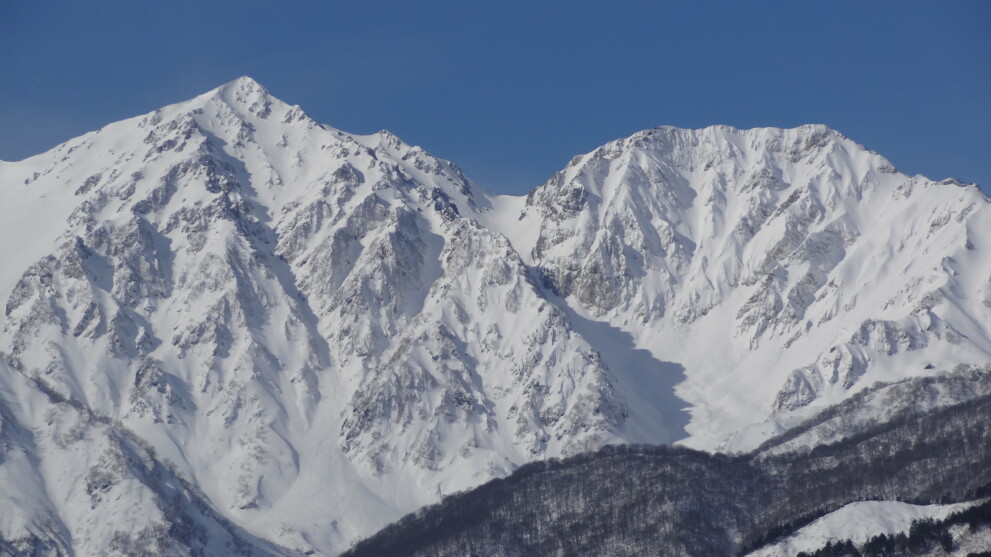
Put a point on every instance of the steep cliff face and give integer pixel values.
(75, 481)
(307, 323)
(318, 331)
(781, 268)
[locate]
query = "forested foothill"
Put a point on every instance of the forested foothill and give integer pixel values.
(659, 500)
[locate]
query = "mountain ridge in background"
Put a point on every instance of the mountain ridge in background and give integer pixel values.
(314, 332)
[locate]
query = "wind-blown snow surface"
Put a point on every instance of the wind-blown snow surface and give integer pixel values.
(322, 331)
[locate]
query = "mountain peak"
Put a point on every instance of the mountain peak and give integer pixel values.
(712, 146)
(721, 130)
(244, 93)
(300, 319)
(244, 84)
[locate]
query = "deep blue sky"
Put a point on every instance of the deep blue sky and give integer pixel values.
(510, 91)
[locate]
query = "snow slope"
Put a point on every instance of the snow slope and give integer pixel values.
(303, 321)
(782, 269)
(72, 480)
(321, 331)
(857, 522)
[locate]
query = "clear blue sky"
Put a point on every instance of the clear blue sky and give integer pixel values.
(510, 91)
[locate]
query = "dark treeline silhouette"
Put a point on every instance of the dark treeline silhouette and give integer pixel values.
(640, 500)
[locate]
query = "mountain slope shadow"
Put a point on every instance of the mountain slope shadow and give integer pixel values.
(646, 384)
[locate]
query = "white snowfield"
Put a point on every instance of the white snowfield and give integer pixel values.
(857, 522)
(226, 323)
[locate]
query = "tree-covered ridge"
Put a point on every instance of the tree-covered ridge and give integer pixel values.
(636, 500)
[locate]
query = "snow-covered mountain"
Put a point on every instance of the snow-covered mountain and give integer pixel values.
(303, 334)
(780, 268)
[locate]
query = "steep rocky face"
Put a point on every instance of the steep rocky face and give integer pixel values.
(69, 472)
(301, 320)
(781, 268)
(320, 331)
